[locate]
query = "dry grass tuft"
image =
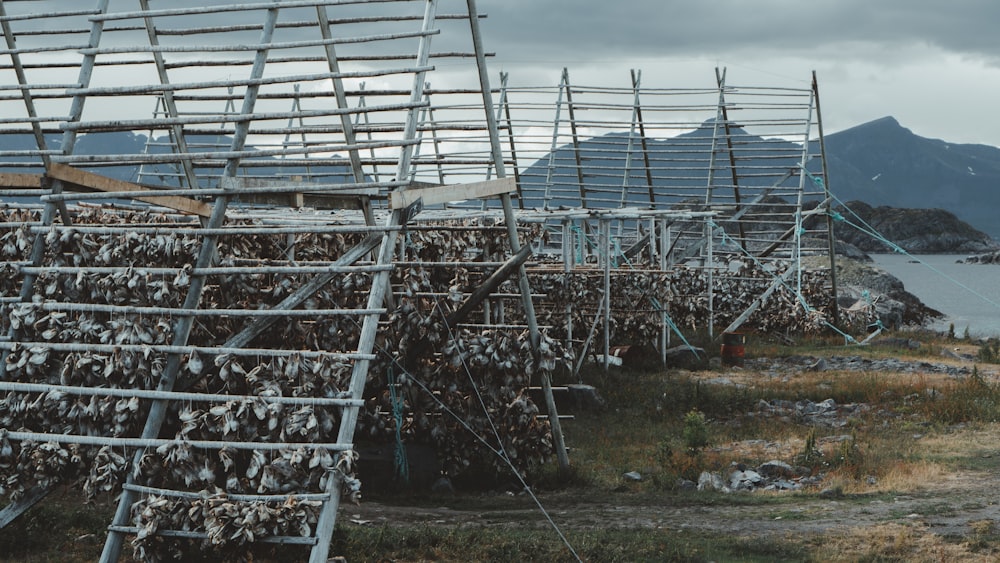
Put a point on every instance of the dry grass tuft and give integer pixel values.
(895, 542)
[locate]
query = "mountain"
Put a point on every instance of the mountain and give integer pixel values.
(881, 163)
(885, 164)
(127, 143)
(679, 169)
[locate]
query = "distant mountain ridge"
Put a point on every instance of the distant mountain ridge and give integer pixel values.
(885, 164)
(880, 163)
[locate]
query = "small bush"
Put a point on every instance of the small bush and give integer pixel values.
(695, 431)
(810, 456)
(989, 352)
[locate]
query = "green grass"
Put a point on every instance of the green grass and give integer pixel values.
(643, 429)
(502, 544)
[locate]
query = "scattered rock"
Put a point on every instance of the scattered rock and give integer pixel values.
(824, 413)
(832, 492)
(773, 475)
(820, 365)
(956, 355)
(685, 356)
(782, 485)
(709, 481)
(775, 469)
(686, 485)
(745, 480)
(799, 364)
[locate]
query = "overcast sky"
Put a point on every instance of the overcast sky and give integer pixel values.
(934, 65)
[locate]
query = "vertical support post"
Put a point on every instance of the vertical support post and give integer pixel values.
(427, 116)
(636, 79)
(67, 145)
(576, 139)
(333, 64)
(665, 233)
(797, 250)
(379, 292)
(176, 131)
(831, 242)
(362, 109)
(631, 142)
(710, 264)
(709, 261)
(720, 79)
(297, 108)
(550, 169)
(604, 226)
(182, 328)
(22, 79)
(515, 244)
(489, 167)
(567, 256)
(505, 101)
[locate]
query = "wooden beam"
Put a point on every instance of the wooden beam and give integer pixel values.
(304, 292)
(20, 180)
(30, 498)
(310, 194)
(90, 181)
(809, 219)
(455, 192)
(502, 273)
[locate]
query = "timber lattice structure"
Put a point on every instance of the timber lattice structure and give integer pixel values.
(231, 251)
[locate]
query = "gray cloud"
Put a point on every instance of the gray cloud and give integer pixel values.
(934, 65)
(601, 29)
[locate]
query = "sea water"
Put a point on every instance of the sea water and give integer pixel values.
(968, 294)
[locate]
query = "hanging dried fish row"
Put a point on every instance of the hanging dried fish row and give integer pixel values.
(86, 271)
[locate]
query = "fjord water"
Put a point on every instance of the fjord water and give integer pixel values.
(969, 294)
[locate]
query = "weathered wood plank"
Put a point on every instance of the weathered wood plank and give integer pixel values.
(31, 497)
(90, 180)
(20, 180)
(317, 196)
(455, 192)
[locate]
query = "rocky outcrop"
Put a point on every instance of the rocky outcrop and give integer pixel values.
(774, 475)
(987, 258)
(919, 231)
(864, 287)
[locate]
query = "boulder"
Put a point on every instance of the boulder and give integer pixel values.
(685, 357)
(747, 480)
(709, 481)
(776, 468)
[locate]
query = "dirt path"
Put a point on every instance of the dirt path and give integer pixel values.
(944, 505)
(946, 508)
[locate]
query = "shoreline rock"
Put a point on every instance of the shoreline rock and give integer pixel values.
(866, 288)
(986, 258)
(919, 231)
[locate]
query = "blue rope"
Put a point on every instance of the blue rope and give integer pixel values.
(870, 231)
(402, 465)
(805, 305)
(658, 307)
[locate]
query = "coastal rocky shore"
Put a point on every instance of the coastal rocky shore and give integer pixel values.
(986, 258)
(919, 231)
